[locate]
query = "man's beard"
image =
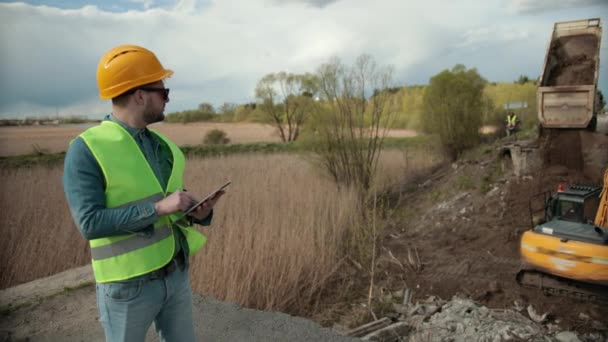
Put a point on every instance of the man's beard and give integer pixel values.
(151, 115)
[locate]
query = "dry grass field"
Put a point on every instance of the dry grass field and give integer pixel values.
(38, 234)
(28, 139)
(277, 237)
(51, 139)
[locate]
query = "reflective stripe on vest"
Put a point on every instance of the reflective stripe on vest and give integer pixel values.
(129, 181)
(134, 242)
(511, 120)
(154, 198)
(137, 240)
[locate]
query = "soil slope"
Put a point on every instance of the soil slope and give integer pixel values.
(460, 229)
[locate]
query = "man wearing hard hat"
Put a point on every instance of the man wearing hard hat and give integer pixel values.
(124, 185)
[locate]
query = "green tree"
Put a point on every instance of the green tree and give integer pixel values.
(216, 137)
(187, 116)
(409, 107)
(288, 100)
(523, 79)
(454, 105)
(503, 94)
(228, 108)
(206, 107)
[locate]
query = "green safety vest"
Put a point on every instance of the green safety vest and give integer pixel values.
(130, 180)
(512, 120)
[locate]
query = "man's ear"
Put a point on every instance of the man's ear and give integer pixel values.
(138, 97)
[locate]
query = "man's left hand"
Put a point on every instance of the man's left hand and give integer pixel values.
(204, 209)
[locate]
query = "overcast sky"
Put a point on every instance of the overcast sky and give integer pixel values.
(220, 49)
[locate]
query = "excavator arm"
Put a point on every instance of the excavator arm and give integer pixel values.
(601, 218)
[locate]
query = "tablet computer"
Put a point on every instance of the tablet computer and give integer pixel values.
(194, 206)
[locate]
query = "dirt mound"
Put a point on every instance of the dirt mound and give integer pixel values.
(462, 234)
(578, 151)
(562, 148)
(576, 56)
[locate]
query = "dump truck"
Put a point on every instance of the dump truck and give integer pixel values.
(567, 89)
(572, 132)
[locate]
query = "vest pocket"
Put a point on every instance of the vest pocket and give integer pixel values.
(123, 291)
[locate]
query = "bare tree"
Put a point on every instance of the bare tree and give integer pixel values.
(355, 117)
(288, 100)
(228, 108)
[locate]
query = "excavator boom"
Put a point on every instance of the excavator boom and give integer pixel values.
(601, 218)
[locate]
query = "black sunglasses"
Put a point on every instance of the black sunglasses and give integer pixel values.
(164, 91)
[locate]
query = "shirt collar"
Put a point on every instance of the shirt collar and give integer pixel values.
(133, 131)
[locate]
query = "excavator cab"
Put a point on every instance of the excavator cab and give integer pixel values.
(569, 215)
(577, 203)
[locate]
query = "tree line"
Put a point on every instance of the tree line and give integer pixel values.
(348, 109)
(407, 104)
(338, 99)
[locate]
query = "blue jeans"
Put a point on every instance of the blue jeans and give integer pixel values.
(128, 308)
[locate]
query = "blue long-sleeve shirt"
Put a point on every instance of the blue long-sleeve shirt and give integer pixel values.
(84, 186)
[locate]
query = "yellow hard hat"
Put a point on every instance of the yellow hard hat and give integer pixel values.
(126, 67)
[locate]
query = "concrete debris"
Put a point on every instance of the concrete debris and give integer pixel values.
(567, 336)
(517, 306)
(369, 327)
(450, 203)
(535, 316)
(583, 316)
(493, 191)
(464, 320)
(400, 309)
(393, 331)
(425, 184)
(407, 296)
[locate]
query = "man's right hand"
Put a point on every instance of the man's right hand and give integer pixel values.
(177, 201)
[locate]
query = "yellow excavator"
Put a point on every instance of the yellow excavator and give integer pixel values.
(567, 253)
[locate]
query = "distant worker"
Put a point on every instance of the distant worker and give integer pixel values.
(512, 123)
(124, 187)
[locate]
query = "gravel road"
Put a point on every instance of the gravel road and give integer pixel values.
(62, 308)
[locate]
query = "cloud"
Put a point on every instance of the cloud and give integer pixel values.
(92, 107)
(145, 3)
(315, 3)
(538, 6)
(185, 6)
(481, 35)
(219, 50)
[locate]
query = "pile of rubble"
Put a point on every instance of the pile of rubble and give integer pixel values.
(463, 320)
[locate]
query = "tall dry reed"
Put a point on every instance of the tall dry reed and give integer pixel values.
(277, 236)
(397, 166)
(277, 233)
(39, 237)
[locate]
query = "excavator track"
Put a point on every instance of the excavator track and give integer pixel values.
(557, 286)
